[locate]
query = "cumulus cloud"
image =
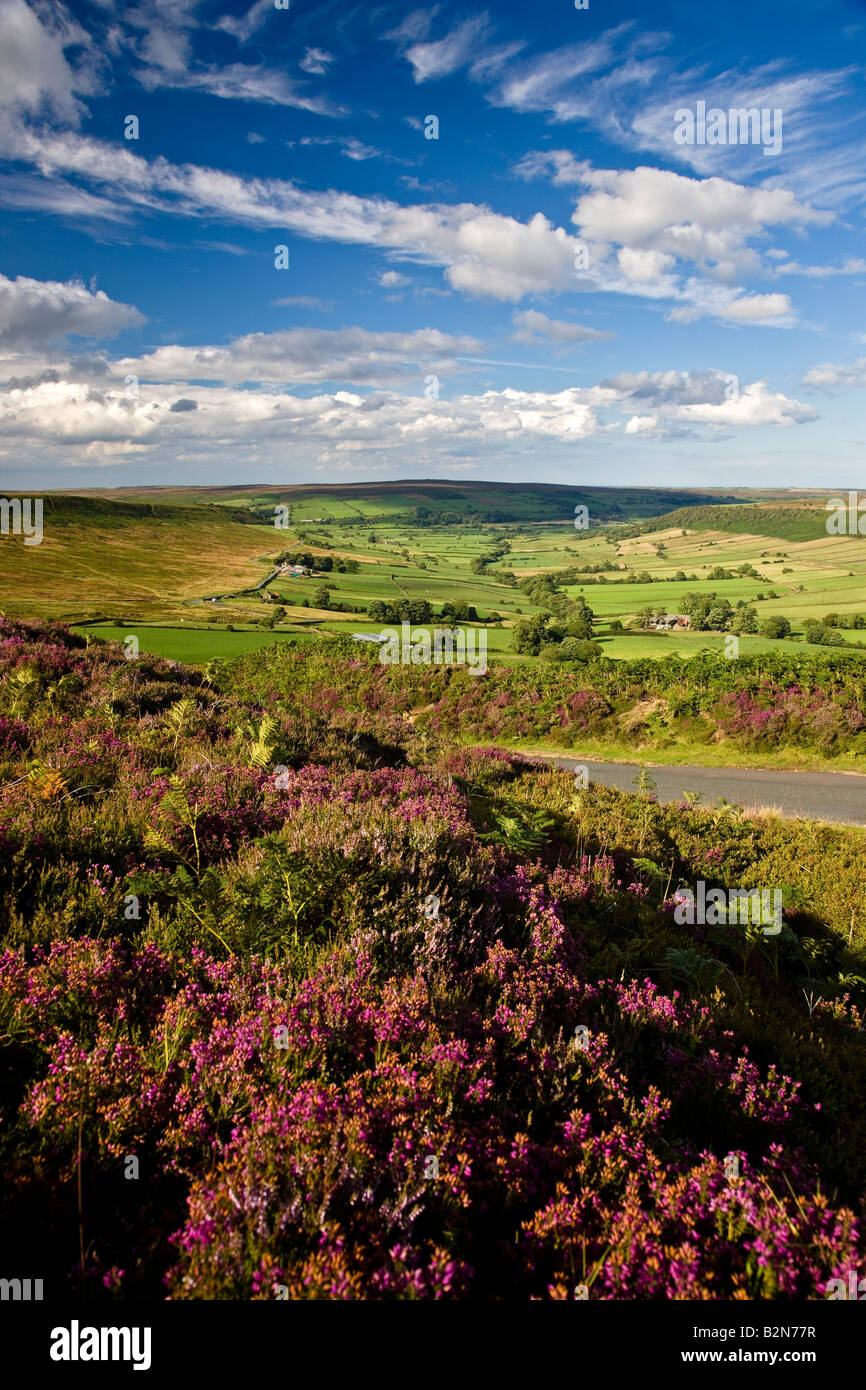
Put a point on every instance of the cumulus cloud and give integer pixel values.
(35, 74)
(103, 415)
(646, 425)
(393, 280)
(75, 413)
(757, 308)
(706, 221)
(307, 355)
(713, 399)
(831, 375)
(660, 234)
(35, 313)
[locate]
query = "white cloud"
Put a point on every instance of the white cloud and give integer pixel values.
(35, 75)
(316, 60)
(76, 413)
(533, 326)
(833, 375)
(242, 27)
(393, 280)
(705, 221)
(641, 226)
(35, 313)
(303, 301)
(646, 425)
(853, 265)
(754, 405)
(757, 308)
(625, 85)
(86, 409)
(307, 355)
(558, 166)
(238, 82)
(444, 56)
(713, 399)
(483, 252)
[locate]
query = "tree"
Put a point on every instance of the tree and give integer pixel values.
(529, 635)
(419, 610)
(572, 649)
(746, 619)
(719, 615)
(321, 597)
(819, 634)
(579, 625)
(776, 626)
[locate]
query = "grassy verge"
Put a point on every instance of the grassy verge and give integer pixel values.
(694, 755)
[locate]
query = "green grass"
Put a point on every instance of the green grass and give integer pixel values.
(192, 645)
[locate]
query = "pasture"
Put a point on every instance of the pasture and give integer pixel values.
(159, 564)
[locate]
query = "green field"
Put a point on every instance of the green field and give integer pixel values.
(195, 645)
(153, 561)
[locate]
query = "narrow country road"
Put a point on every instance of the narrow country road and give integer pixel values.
(829, 796)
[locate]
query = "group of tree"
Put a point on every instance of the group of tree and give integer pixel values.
(479, 563)
(561, 634)
(709, 613)
(419, 610)
(319, 564)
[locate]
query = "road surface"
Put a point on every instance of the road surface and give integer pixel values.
(830, 796)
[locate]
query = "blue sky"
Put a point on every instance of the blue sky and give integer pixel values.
(556, 288)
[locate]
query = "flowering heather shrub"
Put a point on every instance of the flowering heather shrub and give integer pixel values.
(705, 697)
(403, 1028)
(771, 715)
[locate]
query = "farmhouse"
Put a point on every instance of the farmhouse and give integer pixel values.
(671, 622)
